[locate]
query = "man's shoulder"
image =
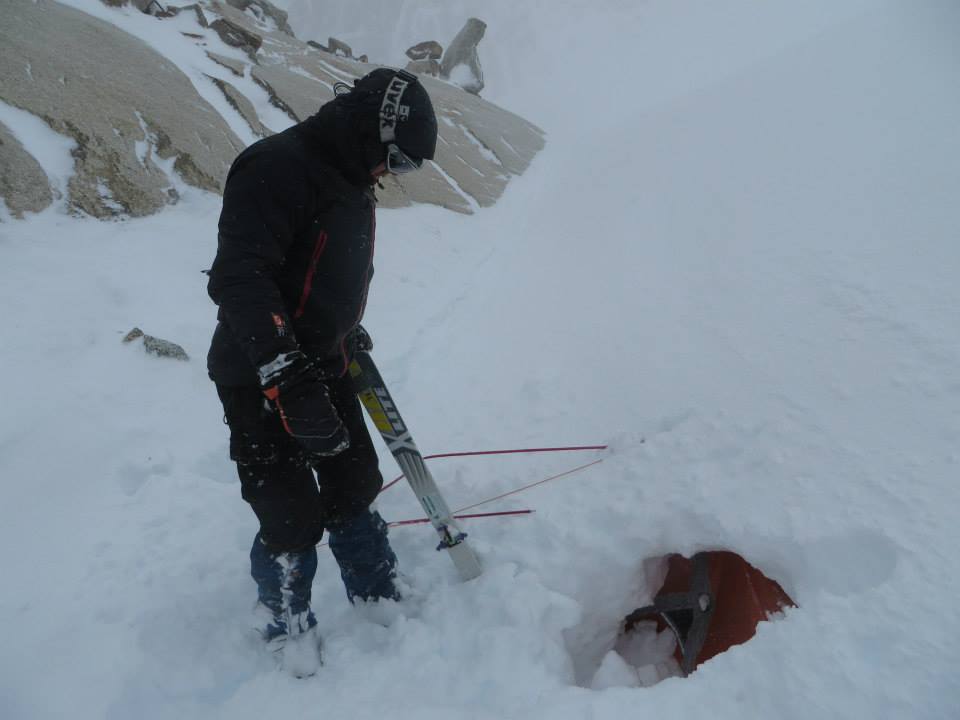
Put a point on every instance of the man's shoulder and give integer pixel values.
(282, 150)
(287, 159)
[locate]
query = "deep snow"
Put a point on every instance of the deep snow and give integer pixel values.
(736, 261)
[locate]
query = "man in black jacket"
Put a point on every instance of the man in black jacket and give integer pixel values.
(293, 266)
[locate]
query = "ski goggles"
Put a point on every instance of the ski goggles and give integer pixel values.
(398, 162)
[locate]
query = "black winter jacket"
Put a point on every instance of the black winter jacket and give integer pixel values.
(295, 251)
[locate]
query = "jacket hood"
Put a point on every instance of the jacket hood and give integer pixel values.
(331, 133)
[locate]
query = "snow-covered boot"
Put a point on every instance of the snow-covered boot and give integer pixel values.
(368, 565)
(283, 590)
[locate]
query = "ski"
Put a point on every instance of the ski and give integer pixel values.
(375, 397)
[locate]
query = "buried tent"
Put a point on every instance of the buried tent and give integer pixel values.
(710, 602)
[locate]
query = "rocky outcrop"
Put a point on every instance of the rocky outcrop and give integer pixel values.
(151, 7)
(265, 14)
(293, 93)
(235, 66)
(174, 10)
(338, 47)
(134, 116)
(237, 36)
(429, 50)
(121, 102)
(461, 63)
(480, 147)
(23, 183)
(425, 58)
(239, 102)
(424, 67)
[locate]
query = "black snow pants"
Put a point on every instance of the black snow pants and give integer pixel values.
(276, 477)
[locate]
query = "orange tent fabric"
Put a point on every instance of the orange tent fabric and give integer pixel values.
(712, 602)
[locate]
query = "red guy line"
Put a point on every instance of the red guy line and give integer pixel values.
(420, 521)
(527, 487)
(476, 453)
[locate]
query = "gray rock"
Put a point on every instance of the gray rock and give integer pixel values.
(155, 346)
(125, 105)
(298, 96)
(462, 52)
(264, 10)
(429, 50)
(334, 47)
(429, 184)
(173, 11)
(237, 67)
(424, 67)
(127, 108)
(340, 48)
(480, 146)
(151, 7)
(24, 185)
(237, 36)
(201, 18)
(502, 138)
(242, 105)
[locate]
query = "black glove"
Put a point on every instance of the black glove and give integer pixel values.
(303, 402)
(359, 340)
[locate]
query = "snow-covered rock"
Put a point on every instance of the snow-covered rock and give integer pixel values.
(124, 105)
(461, 62)
(265, 13)
(480, 147)
(132, 95)
(426, 50)
(23, 183)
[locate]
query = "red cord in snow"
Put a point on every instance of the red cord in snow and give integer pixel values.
(477, 453)
(418, 521)
(527, 487)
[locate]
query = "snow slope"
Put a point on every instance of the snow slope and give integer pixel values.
(735, 262)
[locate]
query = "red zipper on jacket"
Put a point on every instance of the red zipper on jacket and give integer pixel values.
(311, 269)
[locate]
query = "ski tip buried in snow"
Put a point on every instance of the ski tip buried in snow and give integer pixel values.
(465, 560)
